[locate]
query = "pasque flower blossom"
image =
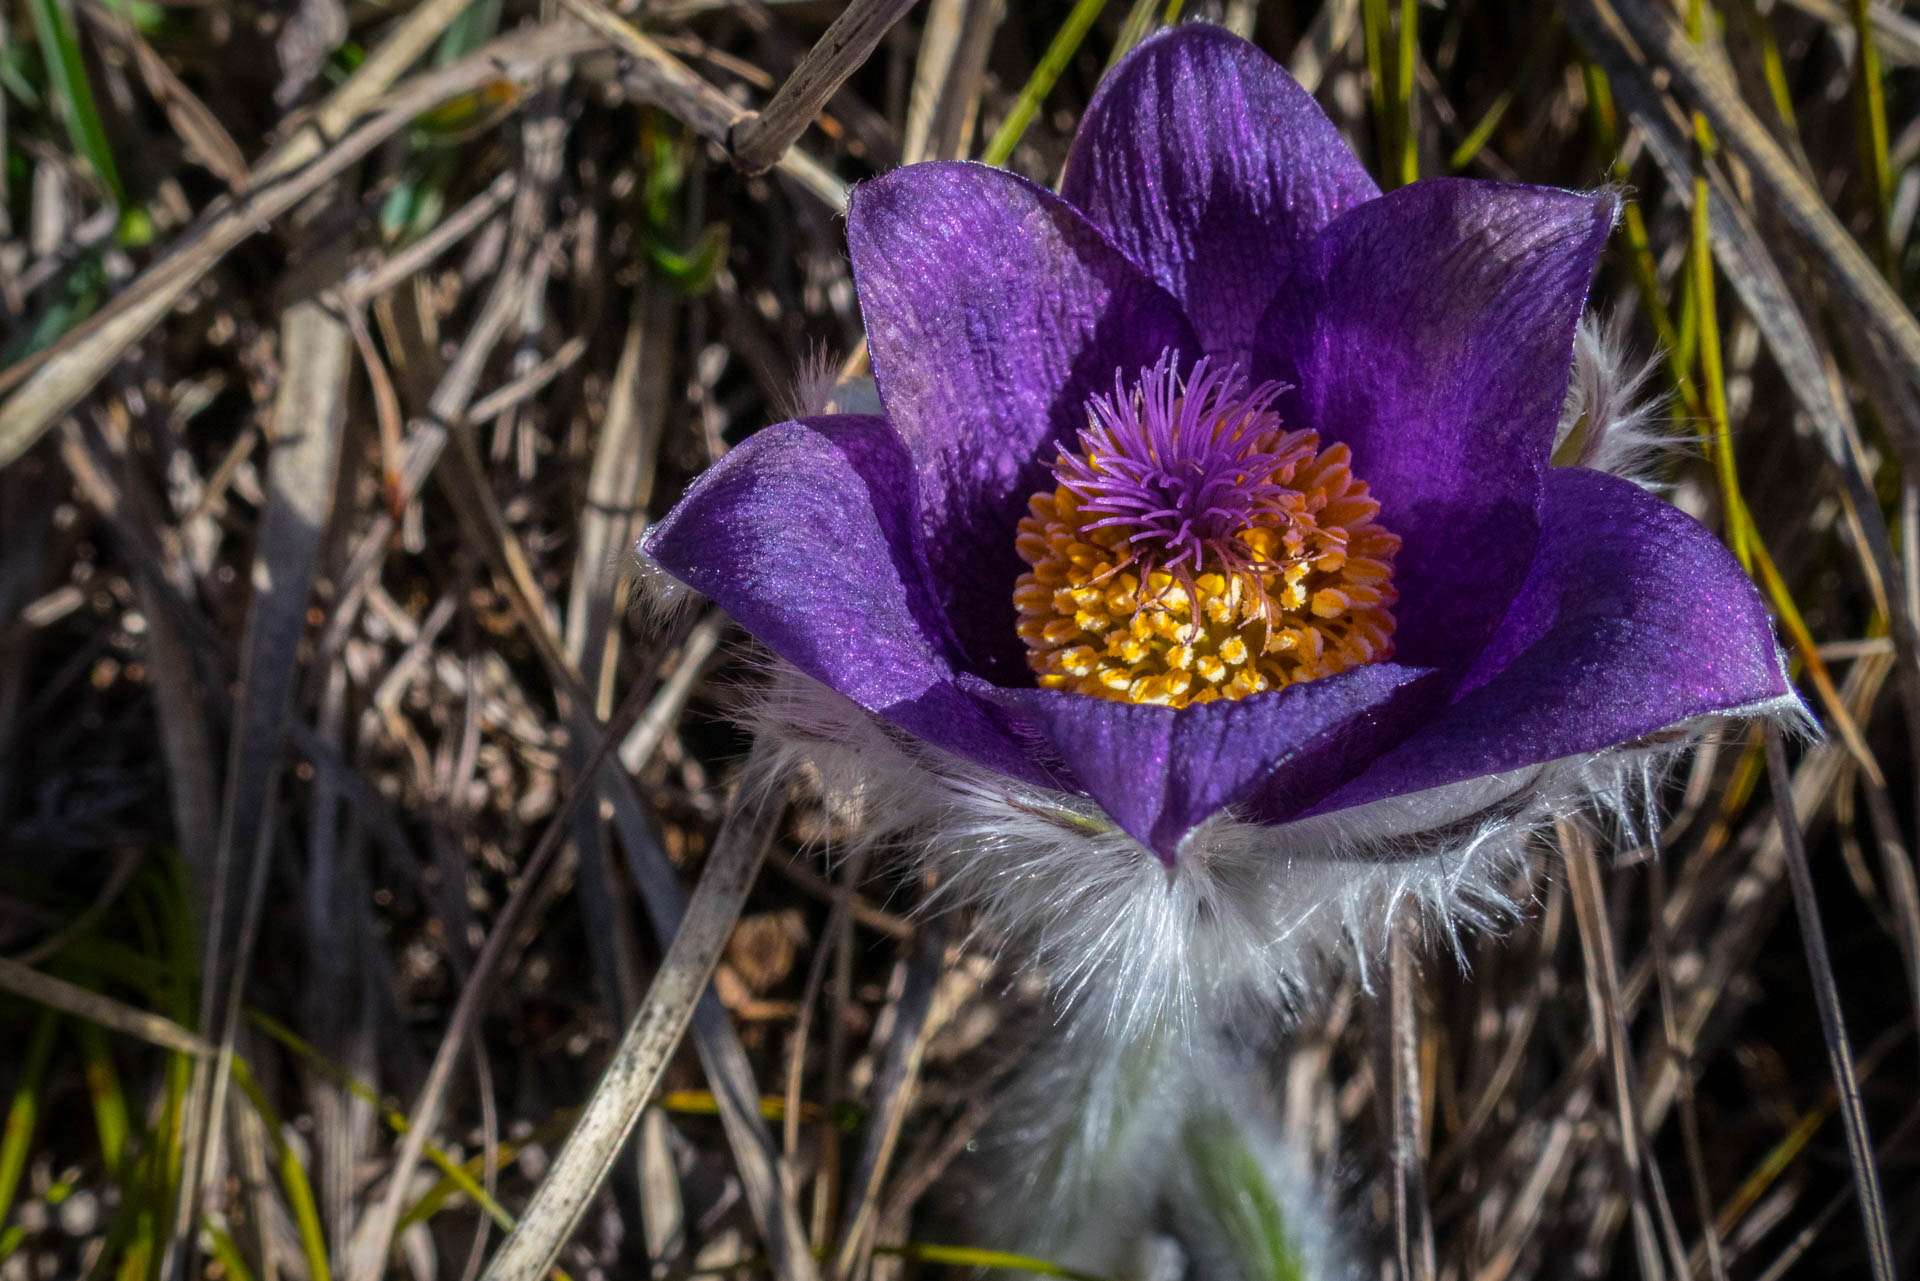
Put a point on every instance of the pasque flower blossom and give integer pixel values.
(1204, 586)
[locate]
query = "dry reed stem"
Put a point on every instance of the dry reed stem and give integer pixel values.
(45, 989)
(634, 1073)
(757, 140)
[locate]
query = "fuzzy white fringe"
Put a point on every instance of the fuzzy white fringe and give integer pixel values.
(1609, 421)
(1159, 1163)
(1152, 968)
(1249, 918)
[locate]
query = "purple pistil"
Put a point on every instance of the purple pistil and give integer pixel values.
(1181, 467)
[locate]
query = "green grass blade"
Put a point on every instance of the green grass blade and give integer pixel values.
(1543, 42)
(1390, 36)
(72, 94)
(1771, 65)
(1640, 260)
(396, 1120)
(110, 1114)
(1066, 42)
(24, 1112)
(695, 269)
(1700, 286)
(477, 24)
(14, 61)
(964, 1256)
(127, 1249)
(227, 1254)
(1405, 60)
(1233, 1182)
(293, 1175)
(1140, 20)
(1373, 30)
(81, 293)
(145, 16)
(1870, 106)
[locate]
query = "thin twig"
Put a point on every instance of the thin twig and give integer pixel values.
(694, 102)
(893, 1093)
(642, 1056)
(1413, 1218)
(58, 994)
(1866, 1173)
(1610, 1036)
(365, 284)
(758, 140)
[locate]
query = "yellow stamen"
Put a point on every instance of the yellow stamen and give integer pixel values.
(1316, 600)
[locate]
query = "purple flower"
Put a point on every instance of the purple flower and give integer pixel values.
(1221, 411)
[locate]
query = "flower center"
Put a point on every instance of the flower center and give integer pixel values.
(1193, 549)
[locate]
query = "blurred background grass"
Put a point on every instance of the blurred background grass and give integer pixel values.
(346, 345)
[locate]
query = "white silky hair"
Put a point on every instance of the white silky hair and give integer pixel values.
(1610, 420)
(1251, 918)
(1151, 968)
(813, 385)
(656, 599)
(1222, 1229)
(1174, 1155)
(823, 387)
(1073, 1165)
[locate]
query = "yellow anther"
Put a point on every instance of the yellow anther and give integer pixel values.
(1330, 603)
(1243, 684)
(1310, 595)
(1079, 660)
(1059, 631)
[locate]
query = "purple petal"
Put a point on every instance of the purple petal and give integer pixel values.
(994, 311)
(1211, 167)
(1159, 772)
(807, 534)
(1433, 333)
(1634, 618)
